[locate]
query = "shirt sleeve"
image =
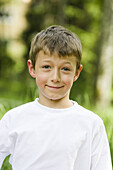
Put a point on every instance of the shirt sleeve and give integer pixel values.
(100, 152)
(4, 141)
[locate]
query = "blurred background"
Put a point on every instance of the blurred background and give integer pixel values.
(91, 20)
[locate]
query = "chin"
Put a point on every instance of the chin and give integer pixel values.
(55, 98)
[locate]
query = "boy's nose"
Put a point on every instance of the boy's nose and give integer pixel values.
(55, 77)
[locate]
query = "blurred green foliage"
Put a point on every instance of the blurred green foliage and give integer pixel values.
(5, 60)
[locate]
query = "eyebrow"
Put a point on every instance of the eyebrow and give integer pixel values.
(64, 62)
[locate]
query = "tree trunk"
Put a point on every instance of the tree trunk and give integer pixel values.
(61, 15)
(105, 72)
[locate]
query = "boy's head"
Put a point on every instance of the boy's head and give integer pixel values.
(56, 39)
(55, 57)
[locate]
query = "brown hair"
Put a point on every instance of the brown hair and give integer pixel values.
(59, 39)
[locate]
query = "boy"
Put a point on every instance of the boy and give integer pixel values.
(53, 132)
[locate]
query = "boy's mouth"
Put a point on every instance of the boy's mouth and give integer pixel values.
(55, 87)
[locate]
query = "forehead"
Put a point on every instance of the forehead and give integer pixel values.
(55, 57)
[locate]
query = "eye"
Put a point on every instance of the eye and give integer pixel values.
(46, 67)
(66, 69)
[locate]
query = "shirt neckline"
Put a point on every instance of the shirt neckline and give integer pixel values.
(55, 110)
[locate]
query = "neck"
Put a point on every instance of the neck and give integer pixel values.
(57, 104)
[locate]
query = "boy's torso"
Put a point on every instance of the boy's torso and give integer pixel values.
(49, 139)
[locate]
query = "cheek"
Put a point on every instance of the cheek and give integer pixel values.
(68, 81)
(41, 79)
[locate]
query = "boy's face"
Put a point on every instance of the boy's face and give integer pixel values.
(54, 75)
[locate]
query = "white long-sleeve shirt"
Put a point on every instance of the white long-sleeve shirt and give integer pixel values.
(42, 138)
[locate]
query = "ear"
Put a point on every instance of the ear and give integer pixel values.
(31, 69)
(78, 73)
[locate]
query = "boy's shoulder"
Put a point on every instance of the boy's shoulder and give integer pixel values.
(88, 116)
(23, 108)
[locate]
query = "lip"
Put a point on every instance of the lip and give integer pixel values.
(54, 87)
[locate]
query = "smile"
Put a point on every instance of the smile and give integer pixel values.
(54, 87)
